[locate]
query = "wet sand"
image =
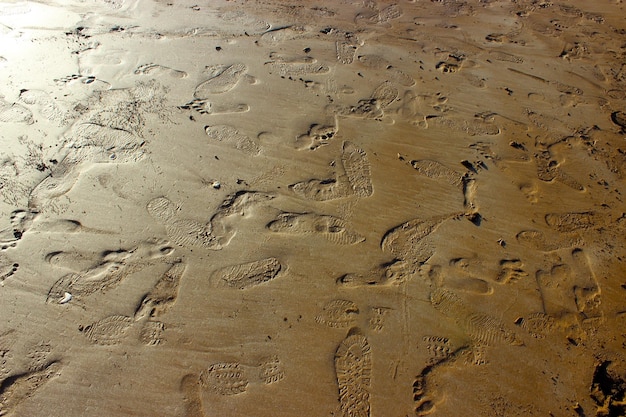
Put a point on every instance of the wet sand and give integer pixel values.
(266, 208)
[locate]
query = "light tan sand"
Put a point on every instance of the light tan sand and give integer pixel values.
(333, 208)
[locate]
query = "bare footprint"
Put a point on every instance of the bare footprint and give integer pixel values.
(353, 367)
(147, 69)
(21, 222)
(192, 398)
(317, 136)
(7, 268)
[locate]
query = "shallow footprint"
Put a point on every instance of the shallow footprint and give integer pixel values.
(332, 228)
(321, 190)
(230, 136)
(184, 232)
(192, 398)
(163, 294)
(110, 330)
(247, 275)
(14, 113)
(17, 388)
(222, 80)
(147, 69)
(338, 314)
(407, 241)
(204, 106)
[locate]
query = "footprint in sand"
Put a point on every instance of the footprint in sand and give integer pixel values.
(538, 240)
(204, 106)
(192, 395)
(439, 348)
(364, 109)
(282, 34)
(184, 232)
(395, 75)
(222, 79)
(353, 370)
(111, 269)
(472, 127)
(507, 271)
(619, 118)
(387, 274)
(332, 228)
(110, 135)
(231, 137)
(380, 17)
(570, 288)
(354, 181)
(82, 79)
(164, 294)
(481, 328)
(549, 170)
(454, 277)
(345, 51)
(538, 325)
(108, 331)
(409, 242)
(21, 221)
(216, 233)
(19, 387)
(293, 69)
(113, 330)
(338, 314)
(148, 69)
(7, 268)
(370, 108)
(317, 136)
(463, 181)
(47, 105)
(233, 378)
(14, 113)
(572, 221)
(247, 275)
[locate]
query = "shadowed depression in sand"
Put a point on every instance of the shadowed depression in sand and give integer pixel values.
(362, 208)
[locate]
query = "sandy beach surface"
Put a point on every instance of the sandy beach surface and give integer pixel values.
(328, 209)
